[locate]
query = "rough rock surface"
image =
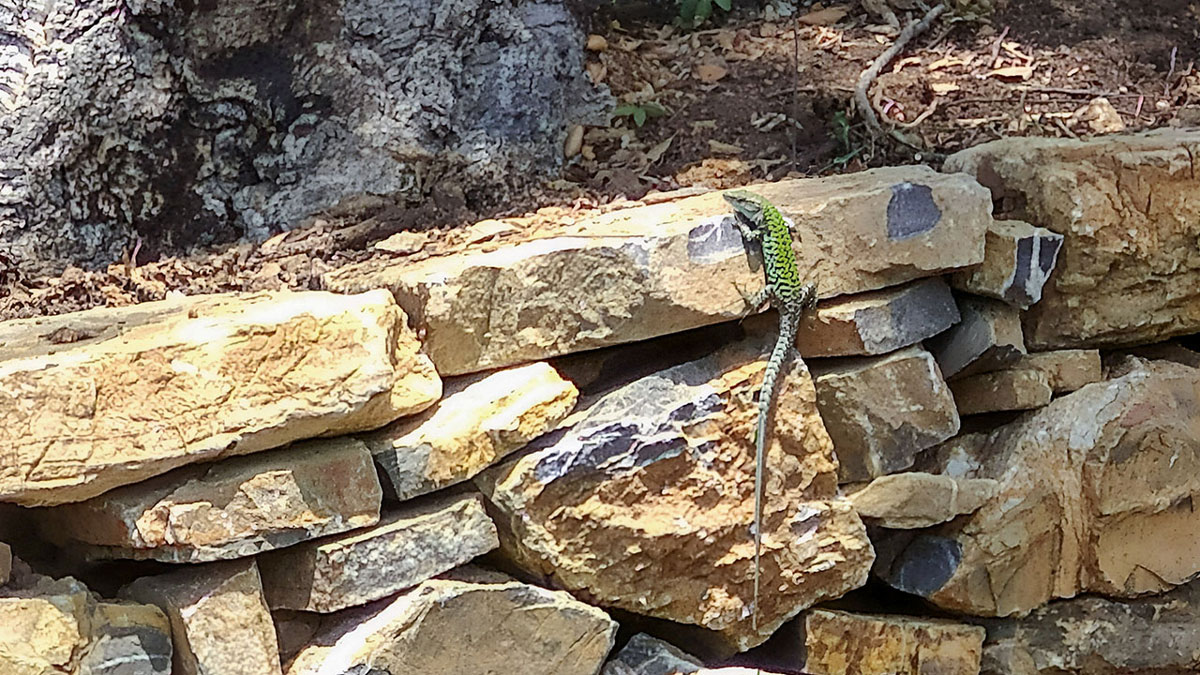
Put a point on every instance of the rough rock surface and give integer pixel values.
(1066, 369)
(479, 420)
(1012, 389)
(915, 499)
(641, 272)
(1128, 207)
(190, 123)
(5, 563)
(646, 655)
(418, 541)
(881, 411)
(879, 321)
(219, 621)
(1147, 636)
(645, 501)
(1017, 261)
(230, 509)
(1094, 495)
(469, 624)
(988, 338)
(107, 397)
(49, 626)
(840, 643)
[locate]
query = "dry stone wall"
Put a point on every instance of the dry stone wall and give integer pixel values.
(492, 459)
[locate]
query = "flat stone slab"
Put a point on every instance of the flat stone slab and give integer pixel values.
(59, 626)
(1094, 495)
(1017, 261)
(881, 411)
(1155, 634)
(1128, 208)
(661, 470)
(419, 541)
(94, 400)
(915, 499)
(480, 420)
(877, 322)
(642, 272)
(229, 509)
(1066, 369)
(842, 642)
(471, 623)
(219, 620)
(1002, 390)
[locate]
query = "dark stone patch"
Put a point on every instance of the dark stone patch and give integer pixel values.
(713, 241)
(911, 211)
(924, 565)
(1017, 290)
(926, 310)
(1048, 254)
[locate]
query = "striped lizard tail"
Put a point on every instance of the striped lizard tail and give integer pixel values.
(783, 346)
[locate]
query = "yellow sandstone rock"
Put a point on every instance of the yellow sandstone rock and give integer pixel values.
(107, 397)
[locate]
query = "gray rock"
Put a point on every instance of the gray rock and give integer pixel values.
(878, 322)
(988, 338)
(467, 623)
(1145, 636)
(881, 411)
(192, 124)
(1017, 261)
(418, 541)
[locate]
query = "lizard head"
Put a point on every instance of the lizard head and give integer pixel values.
(745, 203)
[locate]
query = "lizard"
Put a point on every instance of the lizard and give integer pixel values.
(759, 221)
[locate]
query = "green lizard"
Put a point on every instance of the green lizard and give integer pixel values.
(759, 221)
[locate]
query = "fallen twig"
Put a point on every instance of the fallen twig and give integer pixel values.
(868, 76)
(922, 117)
(1167, 86)
(996, 48)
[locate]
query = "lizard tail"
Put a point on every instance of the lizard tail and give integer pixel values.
(783, 345)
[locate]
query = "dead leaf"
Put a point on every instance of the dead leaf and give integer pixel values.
(710, 72)
(910, 61)
(574, 141)
(1012, 73)
(823, 17)
(596, 72)
(596, 43)
(943, 87)
(948, 62)
(725, 148)
(654, 154)
(403, 242)
(725, 39)
(487, 229)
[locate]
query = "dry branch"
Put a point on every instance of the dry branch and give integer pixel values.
(913, 29)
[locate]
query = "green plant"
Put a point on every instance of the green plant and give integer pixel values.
(692, 13)
(640, 112)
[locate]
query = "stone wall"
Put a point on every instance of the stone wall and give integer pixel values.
(491, 459)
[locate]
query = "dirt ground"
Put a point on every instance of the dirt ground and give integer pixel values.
(723, 107)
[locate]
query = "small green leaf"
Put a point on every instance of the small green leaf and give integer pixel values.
(687, 12)
(654, 109)
(639, 116)
(703, 11)
(625, 110)
(724, 4)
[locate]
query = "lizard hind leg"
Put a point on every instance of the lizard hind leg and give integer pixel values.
(754, 302)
